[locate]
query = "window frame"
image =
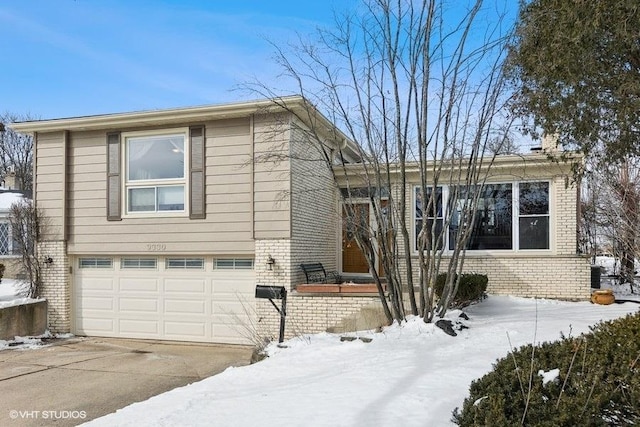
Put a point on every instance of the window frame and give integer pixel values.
(10, 243)
(137, 263)
(96, 265)
(515, 228)
(127, 184)
(518, 216)
(235, 264)
(440, 214)
(172, 263)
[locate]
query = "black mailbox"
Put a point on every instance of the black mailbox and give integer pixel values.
(270, 292)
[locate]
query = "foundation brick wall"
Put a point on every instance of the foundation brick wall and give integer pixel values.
(561, 277)
(307, 314)
(56, 285)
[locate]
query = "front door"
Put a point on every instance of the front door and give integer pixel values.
(353, 261)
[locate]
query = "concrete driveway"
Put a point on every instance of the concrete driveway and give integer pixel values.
(79, 379)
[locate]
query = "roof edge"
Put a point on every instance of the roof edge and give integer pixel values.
(152, 117)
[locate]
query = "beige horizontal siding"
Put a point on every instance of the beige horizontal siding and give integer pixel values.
(226, 229)
(49, 181)
(231, 246)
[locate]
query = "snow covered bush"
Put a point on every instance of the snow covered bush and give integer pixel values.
(1, 271)
(472, 288)
(590, 380)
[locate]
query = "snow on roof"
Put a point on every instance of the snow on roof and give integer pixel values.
(8, 199)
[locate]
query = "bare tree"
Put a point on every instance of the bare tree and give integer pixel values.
(612, 210)
(16, 153)
(26, 227)
(420, 90)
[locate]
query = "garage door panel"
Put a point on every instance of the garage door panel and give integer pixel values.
(136, 305)
(188, 305)
(96, 303)
(139, 285)
(231, 333)
(97, 326)
(144, 327)
(100, 284)
(226, 308)
(185, 286)
(184, 329)
(231, 285)
(174, 306)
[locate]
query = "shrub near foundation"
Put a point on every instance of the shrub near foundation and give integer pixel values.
(598, 382)
(472, 288)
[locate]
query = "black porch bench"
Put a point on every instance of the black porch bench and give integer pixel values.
(315, 273)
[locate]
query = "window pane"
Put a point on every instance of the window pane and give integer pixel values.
(5, 247)
(95, 262)
(184, 263)
(244, 264)
(142, 199)
(438, 233)
(138, 263)
(493, 221)
(534, 198)
(436, 206)
(234, 263)
(534, 232)
(224, 263)
(171, 198)
(155, 157)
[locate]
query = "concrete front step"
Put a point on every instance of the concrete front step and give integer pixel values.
(369, 317)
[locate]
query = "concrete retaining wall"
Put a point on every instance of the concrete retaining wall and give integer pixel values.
(23, 320)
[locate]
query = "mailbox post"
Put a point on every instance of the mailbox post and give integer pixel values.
(271, 293)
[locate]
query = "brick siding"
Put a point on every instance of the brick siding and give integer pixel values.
(56, 285)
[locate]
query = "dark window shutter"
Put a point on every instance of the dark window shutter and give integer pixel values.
(114, 185)
(197, 202)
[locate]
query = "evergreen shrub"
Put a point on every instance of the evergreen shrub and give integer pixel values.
(598, 383)
(472, 288)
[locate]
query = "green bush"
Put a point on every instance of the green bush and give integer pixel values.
(472, 288)
(598, 383)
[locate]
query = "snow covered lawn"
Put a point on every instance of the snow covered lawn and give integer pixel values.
(409, 375)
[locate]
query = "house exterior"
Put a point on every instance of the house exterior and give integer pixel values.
(161, 223)
(9, 256)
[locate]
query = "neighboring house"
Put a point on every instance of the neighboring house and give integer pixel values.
(162, 223)
(9, 194)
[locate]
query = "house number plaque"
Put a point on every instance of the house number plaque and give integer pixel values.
(156, 247)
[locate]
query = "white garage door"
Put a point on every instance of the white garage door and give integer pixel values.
(184, 299)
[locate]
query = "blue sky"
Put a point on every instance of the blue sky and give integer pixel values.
(63, 58)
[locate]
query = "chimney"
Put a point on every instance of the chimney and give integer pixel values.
(10, 182)
(549, 143)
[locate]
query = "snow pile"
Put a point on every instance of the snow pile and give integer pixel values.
(12, 292)
(409, 375)
(29, 343)
(8, 199)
